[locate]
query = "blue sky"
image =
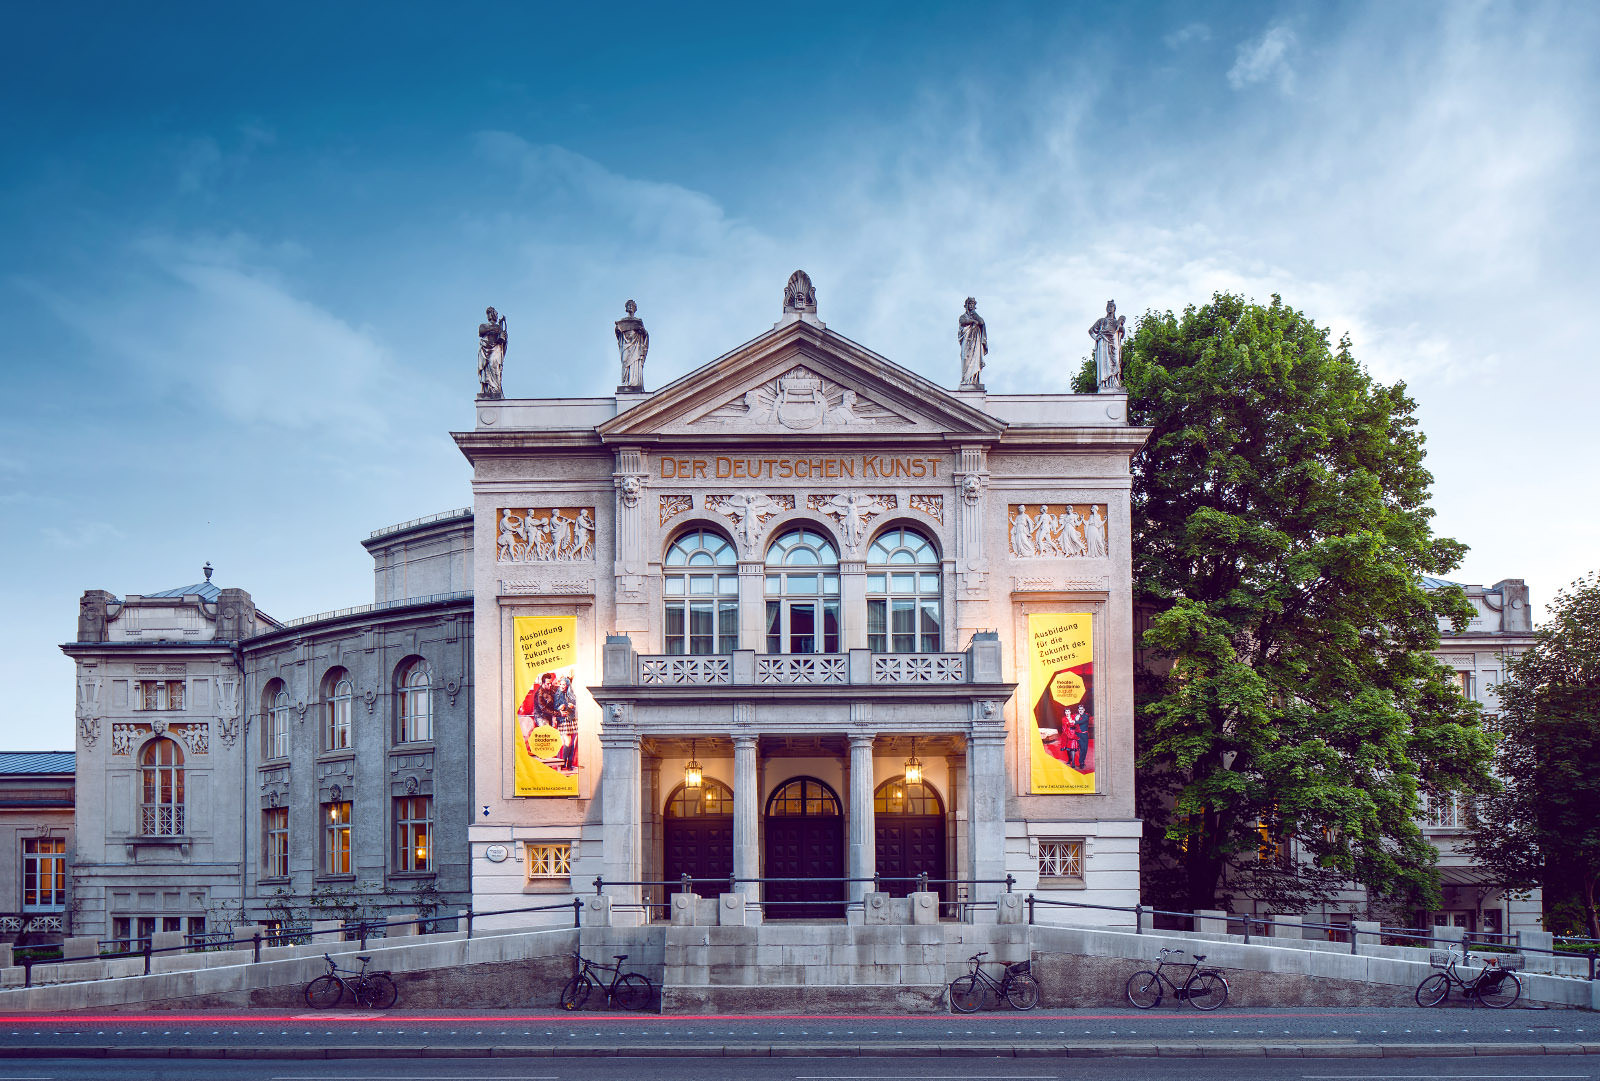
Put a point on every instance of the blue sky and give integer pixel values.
(243, 252)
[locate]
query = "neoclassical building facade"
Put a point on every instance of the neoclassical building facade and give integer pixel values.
(799, 619)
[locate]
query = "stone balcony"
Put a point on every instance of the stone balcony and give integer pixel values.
(978, 663)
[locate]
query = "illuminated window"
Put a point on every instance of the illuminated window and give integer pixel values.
(161, 771)
(708, 798)
(802, 594)
(548, 859)
(416, 703)
(1273, 847)
(700, 582)
(336, 838)
(413, 830)
(904, 597)
(275, 842)
(1060, 857)
(44, 874)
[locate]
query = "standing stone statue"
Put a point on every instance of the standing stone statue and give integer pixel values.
(491, 354)
(1107, 334)
(633, 342)
(974, 338)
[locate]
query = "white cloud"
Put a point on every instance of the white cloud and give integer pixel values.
(1264, 58)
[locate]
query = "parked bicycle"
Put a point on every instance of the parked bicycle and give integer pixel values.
(1495, 985)
(626, 990)
(372, 990)
(1204, 989)
(1018, 986)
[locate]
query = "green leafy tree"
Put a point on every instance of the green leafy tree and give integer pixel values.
(1281, 533)
(1541, 827)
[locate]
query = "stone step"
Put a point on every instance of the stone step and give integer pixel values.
(805, 998)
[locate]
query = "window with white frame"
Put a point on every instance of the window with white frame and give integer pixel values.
(413, 830)
(545, 860)
(1061, 857)
(336, 733)
(1444, 811)
(275, 733)
(904, 597)
(802, 594)
(158, 694)
(275, 842)
(44, 874)
(700, 586)
(416, 702)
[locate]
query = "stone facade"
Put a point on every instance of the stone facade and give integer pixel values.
(801, 446)
(36, 796)
(160, 758)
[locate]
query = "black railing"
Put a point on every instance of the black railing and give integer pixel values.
(731, 883)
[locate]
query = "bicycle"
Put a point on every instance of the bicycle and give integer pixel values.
(1204, 989)
(1494, 986)
(373, 990)
(1018, 987)
(627, 990)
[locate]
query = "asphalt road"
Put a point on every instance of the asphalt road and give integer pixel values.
(814, 1069)
(612, 1033)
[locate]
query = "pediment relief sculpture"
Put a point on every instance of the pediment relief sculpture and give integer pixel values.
(801, 400)
(545, 534)
(1053, 531)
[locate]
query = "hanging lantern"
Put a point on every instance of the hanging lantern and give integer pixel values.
(913, 765)
(693, 777)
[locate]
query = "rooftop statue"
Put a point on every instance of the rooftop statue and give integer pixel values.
(1107, 334)
(973, 335)
(633, 342)
(491, 354)
(799, 295)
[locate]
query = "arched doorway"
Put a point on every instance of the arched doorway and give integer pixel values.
(909, 835)
(805, 841)
(697, 837)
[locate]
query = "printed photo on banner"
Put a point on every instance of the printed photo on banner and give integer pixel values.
(1061, 686)
(544, 735)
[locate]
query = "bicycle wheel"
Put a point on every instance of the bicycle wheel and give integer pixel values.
(1206, 990)
(966, 994)
(324, 992)
(377, 993)
(633, 992)
(1021, 990)
(1433, 990)
(575, 992)
(1144, 989)
(1498, 993)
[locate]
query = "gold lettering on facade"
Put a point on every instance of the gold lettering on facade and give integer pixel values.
(865, 467)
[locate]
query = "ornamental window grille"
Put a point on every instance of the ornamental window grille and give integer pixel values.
(336, 838)
(802, 594)
(1444, 811)
(275, 733)
(904, 596)
(416, 702)
(44, 874)
(700, 585)
(545, 859)
(161, 771)
(413, 830)
(275, 842)
(1060, 857)
(337, 734)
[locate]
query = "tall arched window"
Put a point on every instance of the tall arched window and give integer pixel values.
(338, 693)
(904, 598)
(275, 733)
(802, 594)
(701, 583)
(161, 809)
(416, 702)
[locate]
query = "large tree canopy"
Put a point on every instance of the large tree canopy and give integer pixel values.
(1281, 535)
(1542, 826)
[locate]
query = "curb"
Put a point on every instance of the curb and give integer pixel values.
(879, 1050)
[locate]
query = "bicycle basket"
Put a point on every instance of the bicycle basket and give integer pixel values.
(1438, 958)
(1020, 968)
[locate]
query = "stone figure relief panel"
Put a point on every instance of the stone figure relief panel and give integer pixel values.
(852, 511)
(801, 400)
(749, 512)
(1057, 531)
(931, 505)
(194, 735)
(675, 504)
(545, 534)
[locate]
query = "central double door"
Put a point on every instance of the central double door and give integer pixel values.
(804, 848)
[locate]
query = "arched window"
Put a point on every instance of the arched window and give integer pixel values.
(895, 797)
(161, 809)
(700, 581)
(416, 702)
(709, 799)
(275, 733)
(337, 693)
(802, 594)
(804, 796)
(904, 598)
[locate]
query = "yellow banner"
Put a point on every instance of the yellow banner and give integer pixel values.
(544, 739)
(1061, 682)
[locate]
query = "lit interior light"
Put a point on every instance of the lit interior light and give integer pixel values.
(693, 776)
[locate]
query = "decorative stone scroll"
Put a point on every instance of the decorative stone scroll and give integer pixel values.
(1053, 531)
(931, 505)
(545, 534)
(675, 504)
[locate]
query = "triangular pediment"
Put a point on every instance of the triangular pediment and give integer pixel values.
(800, 380)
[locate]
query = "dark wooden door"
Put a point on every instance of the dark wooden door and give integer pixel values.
(808, 848)
(909, 845)
(701, 848)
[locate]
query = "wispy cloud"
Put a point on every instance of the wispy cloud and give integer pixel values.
(1184, 35)
(1265, 57)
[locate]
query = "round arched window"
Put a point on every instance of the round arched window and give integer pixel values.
(802, 594)
(700, 587)
(904, 595)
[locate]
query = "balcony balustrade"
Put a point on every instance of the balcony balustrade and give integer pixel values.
(858, 666)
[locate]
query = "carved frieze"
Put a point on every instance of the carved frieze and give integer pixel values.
(674, 505)
(1046, 531)
(749, 513)
(1059, 584)
(931, 505)
(124, 736)
(801, 400)
(545, 534)
(196, 736)
(852, 510)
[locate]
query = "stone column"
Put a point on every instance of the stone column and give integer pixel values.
(853, 604)
(746, 801)
(752, 605)
(620, 813)
(862, 858)
(986, 809)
